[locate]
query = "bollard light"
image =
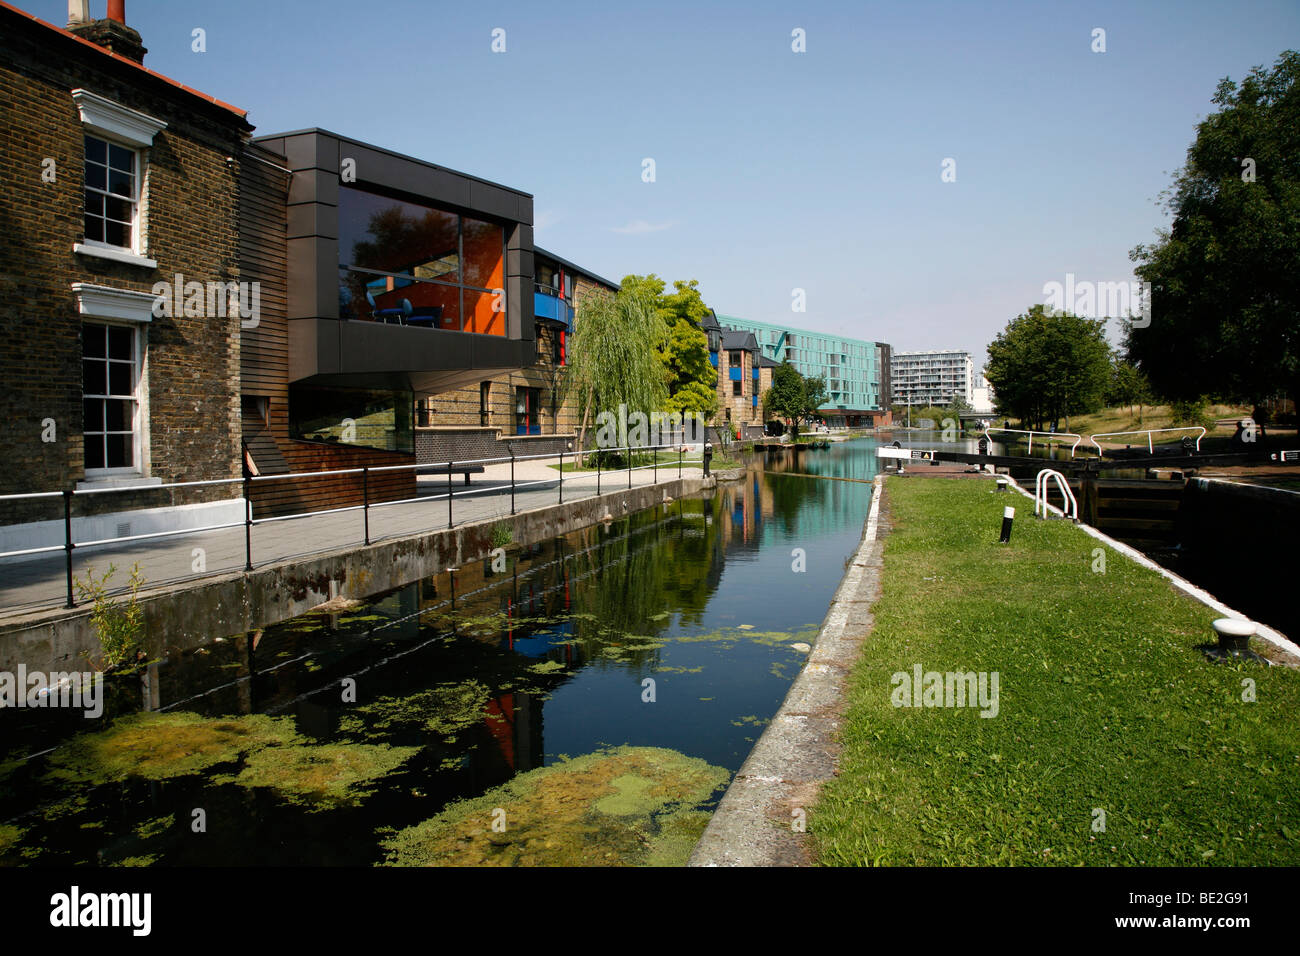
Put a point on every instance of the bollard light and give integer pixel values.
(1002, 484)
(1008, 515)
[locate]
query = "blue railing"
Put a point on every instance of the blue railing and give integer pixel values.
(550, 307)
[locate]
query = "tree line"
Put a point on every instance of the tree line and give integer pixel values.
(1224, 281)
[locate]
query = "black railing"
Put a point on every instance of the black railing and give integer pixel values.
(248, 482)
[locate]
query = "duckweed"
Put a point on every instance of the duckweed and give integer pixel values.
(612, 807)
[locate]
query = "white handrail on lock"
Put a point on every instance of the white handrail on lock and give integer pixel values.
(1049, 435)
(1149, 432)
(1040, 493)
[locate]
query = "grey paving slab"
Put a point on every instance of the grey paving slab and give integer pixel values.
(28, 584)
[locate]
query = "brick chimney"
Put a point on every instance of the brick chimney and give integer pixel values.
(111, 33)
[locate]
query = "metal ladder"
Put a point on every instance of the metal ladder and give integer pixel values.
(1040, 494)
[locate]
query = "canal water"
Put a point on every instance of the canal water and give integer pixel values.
(584, 699)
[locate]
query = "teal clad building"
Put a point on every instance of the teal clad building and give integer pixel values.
(857, 372)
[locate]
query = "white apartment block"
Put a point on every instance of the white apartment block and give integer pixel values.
(931, 378)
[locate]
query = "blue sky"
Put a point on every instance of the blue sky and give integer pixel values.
(775, 170)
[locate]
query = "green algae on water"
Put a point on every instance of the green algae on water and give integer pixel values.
(10, 837)
(155, 827)
(677, 836)
(351, 620)
(320, 776)
(9, 766)
(614, 807)
(68, 806)
(731, 635)
(163, 746)
(445, 709)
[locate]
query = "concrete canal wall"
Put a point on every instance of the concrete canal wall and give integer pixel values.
(192, 613)
(759, 821)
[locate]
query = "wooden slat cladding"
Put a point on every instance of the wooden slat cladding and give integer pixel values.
(285, 495)
(264, 364)
(264, 350)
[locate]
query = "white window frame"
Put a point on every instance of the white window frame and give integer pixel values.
(135, 199)
(104, 305)
(137, 376)
(107, 120)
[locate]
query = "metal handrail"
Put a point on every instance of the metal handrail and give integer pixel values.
(1149, 432)
(1050, 436)
(1067, 494)
(34, 494)
(249, 521)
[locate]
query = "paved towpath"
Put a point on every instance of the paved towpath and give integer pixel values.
(32, 583)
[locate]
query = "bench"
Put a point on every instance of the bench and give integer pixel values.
(465, 470)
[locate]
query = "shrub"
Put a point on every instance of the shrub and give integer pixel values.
(119, 627)
(502, 534)
(1192, 412)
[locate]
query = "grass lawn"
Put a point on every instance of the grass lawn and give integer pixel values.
(1125, 418)
(1104, 705)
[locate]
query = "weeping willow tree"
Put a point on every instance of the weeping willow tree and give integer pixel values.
(614, 357)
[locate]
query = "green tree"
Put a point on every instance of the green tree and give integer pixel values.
(814, 396)
(1045, 366)
(785, 399)
(614, 356)
(1224, 291)
(1128, 386)
(690, 377)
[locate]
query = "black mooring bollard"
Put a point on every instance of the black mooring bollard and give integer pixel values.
(708, 457)
(1008, 515)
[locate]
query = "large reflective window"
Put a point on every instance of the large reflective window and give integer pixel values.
(484, 254)
(398, 300)
(485, 313)
(367, 418)
(409, 264)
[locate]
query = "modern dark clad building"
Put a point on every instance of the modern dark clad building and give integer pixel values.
(402, 279)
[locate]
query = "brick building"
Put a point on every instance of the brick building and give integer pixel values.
(117, 179)
(184, 303)
(744, 374)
